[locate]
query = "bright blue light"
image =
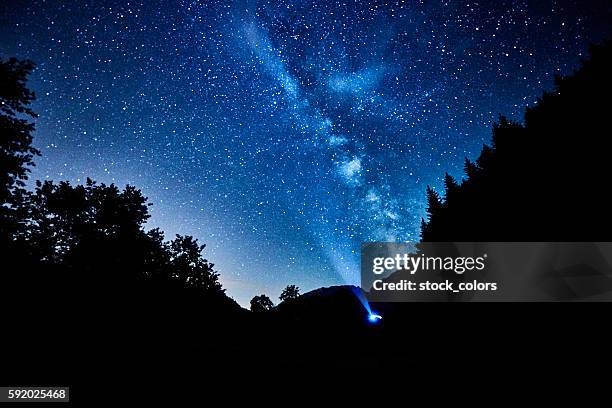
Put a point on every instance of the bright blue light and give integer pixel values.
(373, 317)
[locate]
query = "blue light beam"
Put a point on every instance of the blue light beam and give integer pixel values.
(373, 317)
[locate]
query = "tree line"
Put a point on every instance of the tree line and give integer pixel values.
(57, 236)
(544, 180)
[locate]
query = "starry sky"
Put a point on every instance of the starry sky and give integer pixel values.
(284, 133)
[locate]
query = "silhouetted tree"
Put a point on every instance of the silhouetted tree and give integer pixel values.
(450, 186)
(261, 303)
(471, 169)
(434, 203)
(65, 221)
(16, 151)
(189, 267)
(290, 292)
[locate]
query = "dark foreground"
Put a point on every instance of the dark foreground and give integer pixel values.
(138, 348)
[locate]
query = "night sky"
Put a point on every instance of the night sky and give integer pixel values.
(284, 133)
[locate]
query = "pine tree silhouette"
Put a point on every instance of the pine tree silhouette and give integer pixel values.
(537, 181)
(451, 188)
(434, 203)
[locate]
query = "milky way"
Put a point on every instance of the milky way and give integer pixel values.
(284, 134)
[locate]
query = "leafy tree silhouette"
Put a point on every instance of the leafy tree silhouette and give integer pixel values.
(16, 151)
(94, 234)
(536, 182)
(189, 267)
(261, 303)
(64, 219)
(290, 292)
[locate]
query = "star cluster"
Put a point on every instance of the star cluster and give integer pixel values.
(285, 133)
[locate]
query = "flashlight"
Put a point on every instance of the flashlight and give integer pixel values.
(373, 317)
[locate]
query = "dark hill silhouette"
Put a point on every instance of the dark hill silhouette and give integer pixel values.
(322, 328)
(544, 181)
